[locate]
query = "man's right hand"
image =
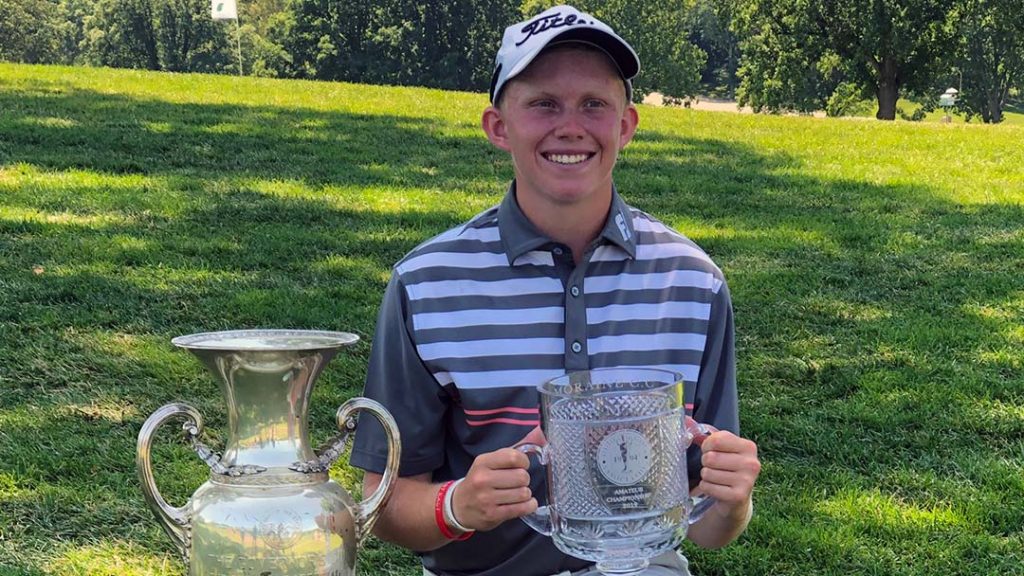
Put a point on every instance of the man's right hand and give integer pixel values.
(496, 489)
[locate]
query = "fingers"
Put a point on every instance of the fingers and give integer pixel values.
(504, 459)
(730, 468)
(726, 461)
(725, 441)
(510, 478)
(496, 489)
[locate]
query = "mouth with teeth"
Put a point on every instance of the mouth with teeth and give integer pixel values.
(567, 159)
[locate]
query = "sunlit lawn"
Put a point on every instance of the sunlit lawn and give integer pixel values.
(877, 271)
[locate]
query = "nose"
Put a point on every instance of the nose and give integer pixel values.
(570, 126)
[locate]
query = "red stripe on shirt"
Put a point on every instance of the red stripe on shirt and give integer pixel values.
(511, 409)
(503, 421)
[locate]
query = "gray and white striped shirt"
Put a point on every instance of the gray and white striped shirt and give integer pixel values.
(475, 318)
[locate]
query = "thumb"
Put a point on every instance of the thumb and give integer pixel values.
(699, 432)
(534, 437)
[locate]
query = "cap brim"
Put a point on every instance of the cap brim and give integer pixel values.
(621, 54)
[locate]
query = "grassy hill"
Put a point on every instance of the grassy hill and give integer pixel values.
(877, 271)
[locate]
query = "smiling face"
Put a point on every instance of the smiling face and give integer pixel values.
(563, 120)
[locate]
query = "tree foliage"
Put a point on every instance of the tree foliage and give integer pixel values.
(121, 34)
(796, 53)
(436, 43)
(30, 31)
(990, 54)
(709, 28)
(187, 38)
(427, 43)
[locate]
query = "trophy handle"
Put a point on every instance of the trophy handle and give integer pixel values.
(175, 521)
(540, 520)
(369, 509)
(695, 434)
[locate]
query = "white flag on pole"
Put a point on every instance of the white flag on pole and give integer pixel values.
(223, 9)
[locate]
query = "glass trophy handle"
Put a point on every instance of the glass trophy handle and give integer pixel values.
(541, 519)
(696, 433)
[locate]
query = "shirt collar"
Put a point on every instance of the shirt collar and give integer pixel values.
(519, 235)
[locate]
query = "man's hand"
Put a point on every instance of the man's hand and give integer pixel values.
(730, 469)
(496, 488)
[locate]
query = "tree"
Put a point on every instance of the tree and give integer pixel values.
(121, 34)
(325, 38)
(176, 35)
(188, 39)
(796, 53)
(29, 31)
(437, 43)
(73, 31)
(990, 54)
(709, 22)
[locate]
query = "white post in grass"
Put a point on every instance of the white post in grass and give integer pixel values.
(227, 10)
(238, 38)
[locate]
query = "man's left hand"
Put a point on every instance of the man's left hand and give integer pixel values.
(730, 469)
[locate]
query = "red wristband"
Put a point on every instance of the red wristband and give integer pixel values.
(439, 514)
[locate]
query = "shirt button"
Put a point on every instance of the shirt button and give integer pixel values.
(575, 291)
(576, 347)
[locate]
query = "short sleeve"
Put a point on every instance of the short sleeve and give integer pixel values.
(398, 379)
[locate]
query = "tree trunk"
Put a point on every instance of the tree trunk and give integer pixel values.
(888, 91)
(887, 96)
(994, 112)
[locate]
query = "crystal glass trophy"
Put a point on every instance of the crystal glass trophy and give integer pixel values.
(618, 492)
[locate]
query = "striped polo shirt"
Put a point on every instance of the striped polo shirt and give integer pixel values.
(476, 318)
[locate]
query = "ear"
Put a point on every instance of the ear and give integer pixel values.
(630, 121)
(494, 126)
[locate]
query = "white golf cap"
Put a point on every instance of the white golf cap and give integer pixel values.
(523, 42)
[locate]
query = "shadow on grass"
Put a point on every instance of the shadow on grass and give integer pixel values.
(73, 128)
(871, 319)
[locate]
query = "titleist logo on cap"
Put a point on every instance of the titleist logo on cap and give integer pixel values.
(549, 22)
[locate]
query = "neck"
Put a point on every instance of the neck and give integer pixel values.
(574, 224)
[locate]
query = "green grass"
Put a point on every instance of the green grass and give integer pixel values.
(877, 271)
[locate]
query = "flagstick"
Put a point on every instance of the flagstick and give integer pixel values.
(238, 37)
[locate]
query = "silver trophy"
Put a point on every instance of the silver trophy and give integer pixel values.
(269, 508)
(618, 492)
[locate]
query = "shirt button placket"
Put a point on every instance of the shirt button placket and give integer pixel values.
(576, 355)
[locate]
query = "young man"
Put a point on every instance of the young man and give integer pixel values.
(561, 276)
